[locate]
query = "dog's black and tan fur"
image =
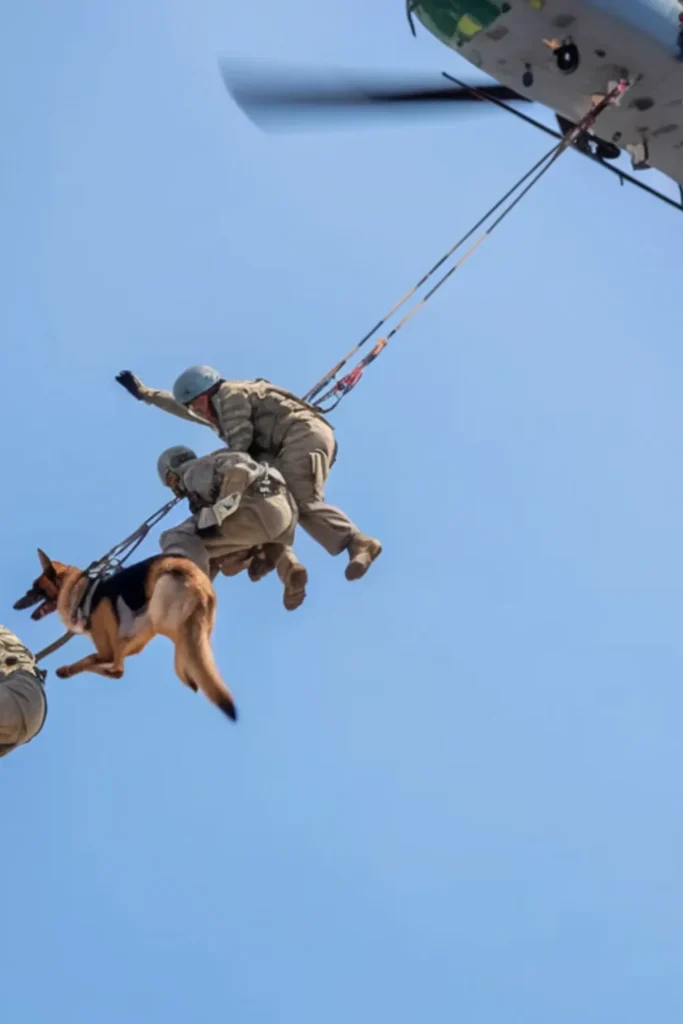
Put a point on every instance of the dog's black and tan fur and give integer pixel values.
(167, 595)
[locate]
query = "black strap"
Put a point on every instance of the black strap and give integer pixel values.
(83, 610)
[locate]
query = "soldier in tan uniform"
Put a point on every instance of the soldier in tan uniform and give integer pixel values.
(23, 707)
(273, 424)
(238, 505)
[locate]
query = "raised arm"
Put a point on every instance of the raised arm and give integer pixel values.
(161, 399)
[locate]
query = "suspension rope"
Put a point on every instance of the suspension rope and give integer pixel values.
(324, 381)
(339, 389)
(622, 175)
(113, 560)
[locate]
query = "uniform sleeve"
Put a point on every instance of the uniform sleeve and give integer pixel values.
(235, 473)
(199, 480)
(234, 418)
(165, 400)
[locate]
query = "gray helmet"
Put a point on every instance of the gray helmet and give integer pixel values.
(194, 382)
(172, 459)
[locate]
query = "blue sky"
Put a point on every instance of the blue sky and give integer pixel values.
(455, 789)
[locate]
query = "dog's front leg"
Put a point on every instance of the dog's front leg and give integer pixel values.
(92, 663)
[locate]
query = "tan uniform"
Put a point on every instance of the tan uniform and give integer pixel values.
(237, 503)
(23, 707)
(258, 417)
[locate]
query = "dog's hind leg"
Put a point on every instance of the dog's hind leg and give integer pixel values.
(180, 665)
(171, 604)
(184, 612)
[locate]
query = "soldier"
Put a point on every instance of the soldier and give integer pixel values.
(23, 707)
(266, 421)
(237, 505)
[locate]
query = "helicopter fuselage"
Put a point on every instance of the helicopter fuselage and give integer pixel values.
(564, 53)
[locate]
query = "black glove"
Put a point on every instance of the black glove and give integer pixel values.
(131, 383)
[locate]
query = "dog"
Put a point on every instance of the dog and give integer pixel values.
(166, 594)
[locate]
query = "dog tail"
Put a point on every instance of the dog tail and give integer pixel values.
(184, 614)
(195, 663)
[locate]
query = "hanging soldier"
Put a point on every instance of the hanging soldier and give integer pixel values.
(270, 424)
(239, 506)
(23, 706)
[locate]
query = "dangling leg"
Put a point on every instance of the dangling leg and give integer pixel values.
(304, 462)
(293, 575)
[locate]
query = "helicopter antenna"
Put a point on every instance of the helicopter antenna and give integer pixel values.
(410, 7)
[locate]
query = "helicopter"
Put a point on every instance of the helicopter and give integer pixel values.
(563, 54)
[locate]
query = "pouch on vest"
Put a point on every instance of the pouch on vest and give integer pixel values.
(319, 471)
(218, 513)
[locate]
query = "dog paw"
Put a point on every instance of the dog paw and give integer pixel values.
(63, 672)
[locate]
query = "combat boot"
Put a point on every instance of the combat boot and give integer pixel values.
(294, 575)
(363, 551)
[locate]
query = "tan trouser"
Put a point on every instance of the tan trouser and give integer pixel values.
(304, 461)
(257, 521)
(23, 709)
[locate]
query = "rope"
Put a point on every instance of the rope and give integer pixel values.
(51, 648)
(341, 388)
(318, 395)
(114, 558)
(324, 381)
(621, 174)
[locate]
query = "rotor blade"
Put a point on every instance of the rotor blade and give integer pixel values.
(276, 97)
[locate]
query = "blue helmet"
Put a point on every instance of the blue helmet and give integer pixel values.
(194, 382)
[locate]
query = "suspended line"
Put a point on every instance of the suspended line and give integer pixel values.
(341, 388)
(324, 381)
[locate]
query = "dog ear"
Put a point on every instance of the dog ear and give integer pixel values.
(47, 566)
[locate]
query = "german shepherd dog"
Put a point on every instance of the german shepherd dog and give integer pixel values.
(167, 595)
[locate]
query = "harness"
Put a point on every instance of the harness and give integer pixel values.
(81, 612)
(267, 485)
(272, 482)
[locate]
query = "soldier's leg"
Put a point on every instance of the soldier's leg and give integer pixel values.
(279, 518)
(305, 462)
(233, 565)
(184, 540)
(23, 709)
(259, 521)
(281, 556)
(229, 545)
